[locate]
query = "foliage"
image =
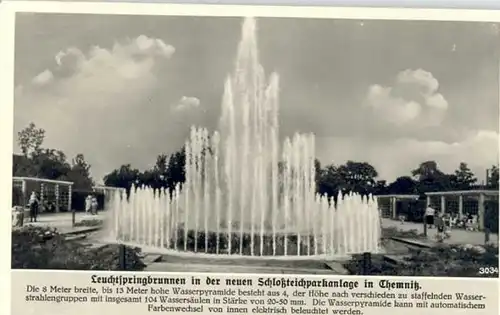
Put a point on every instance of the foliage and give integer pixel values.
(89, 223)
(44, 248)
(30, 139)
(167, 173)
(492, 180)
(79, 173)
(403, 185)
(353, 176)
(395, 232)
(47, 163)
(124, 177)
(246, 244)
(491, 215)
(440, 261)
(359, 177)
(464, 176)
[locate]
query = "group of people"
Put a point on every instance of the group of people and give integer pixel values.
(444, 222)
(91, 204)
(35, 205)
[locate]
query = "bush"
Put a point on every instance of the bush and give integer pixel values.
(395, 232)
(210, 242)
(44, 248)
(89, 223)
(413, 210)
(441, 261)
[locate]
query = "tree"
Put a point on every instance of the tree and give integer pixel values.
(330, 181)
(50, 164)
(40, 162)
(427, 169)
(318, 174)
(22, 166)
(430, 178)
(403, 185)
(175, 172)
(123, 177)
(380, 188)
(161, 163)
(45, 163)
(464, 177)
(30, 139)
(79, 173)
(492, 180)
(358, 176)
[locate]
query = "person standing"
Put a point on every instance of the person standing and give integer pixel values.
(429, 216)
(94, 205)
(33, 204)
(440, 225)
(88, 204)
(469, 222)
(447, 225)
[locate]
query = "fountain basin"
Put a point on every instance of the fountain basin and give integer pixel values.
(236, 258)
(238, 243)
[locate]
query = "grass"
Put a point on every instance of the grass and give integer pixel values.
(44, 248)
(441, 260)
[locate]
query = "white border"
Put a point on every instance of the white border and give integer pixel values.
(7, 14)
(128, 8)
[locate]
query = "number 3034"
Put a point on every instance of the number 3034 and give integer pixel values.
(488, 270)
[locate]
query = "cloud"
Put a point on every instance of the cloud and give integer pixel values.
(91, 100)
(394, 158)
(186, 103)
(43, 78)
(413, 99)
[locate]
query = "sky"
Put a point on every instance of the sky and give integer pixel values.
(123, 89)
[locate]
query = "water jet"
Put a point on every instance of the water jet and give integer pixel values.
(245, 194)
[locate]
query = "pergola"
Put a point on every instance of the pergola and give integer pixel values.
(445, 199)
(387, 203)
(49, 190)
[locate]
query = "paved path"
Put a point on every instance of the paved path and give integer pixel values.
(62, 221)
(458, 236)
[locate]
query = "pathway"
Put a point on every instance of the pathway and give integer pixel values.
(457, 236)
(63, 221)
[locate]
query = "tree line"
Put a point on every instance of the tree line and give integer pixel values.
(48, 163)
(168, 170)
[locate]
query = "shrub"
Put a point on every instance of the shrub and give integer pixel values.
(89, 223)
(395, 232)
(246, 243)
(440, 261)
(44, 248)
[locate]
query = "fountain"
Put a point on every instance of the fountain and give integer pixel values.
(241, 197)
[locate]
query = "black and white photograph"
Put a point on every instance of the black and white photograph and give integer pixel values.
(260, 145)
